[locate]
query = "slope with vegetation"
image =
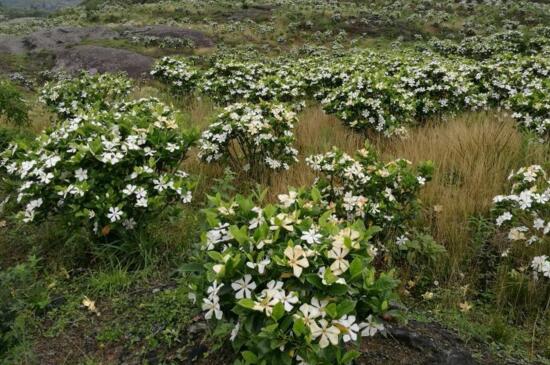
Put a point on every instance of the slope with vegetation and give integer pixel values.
(319, 183)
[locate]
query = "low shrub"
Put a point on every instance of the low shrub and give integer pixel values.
(181, 77)
(69, 96)
(252, 137)
(295, 282)
(364, 187)
(107, 170)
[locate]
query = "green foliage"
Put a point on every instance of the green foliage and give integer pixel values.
(364, 187)
(71, 96)
(12, 105)
(21, 294)
(252, 137)
(106, 170)
(297, 281)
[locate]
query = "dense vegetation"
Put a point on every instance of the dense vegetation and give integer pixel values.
(326, 171)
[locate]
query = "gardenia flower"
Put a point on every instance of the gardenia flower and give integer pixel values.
(235, 332)
(370, 327)
(328, 333)
(244, 287)
(349, 328)
(311, 236)
(288, 200)
(503, 218)
(289, 300)
(81, 174)
(296, 259)
(340, 264)
(114, 214)
(211, 308)
(346, 234)
(308, 314)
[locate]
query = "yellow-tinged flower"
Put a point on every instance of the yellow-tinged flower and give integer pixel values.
(340, 264)
(296, 259)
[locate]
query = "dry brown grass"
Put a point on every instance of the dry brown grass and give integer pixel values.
(473, 155)
(316, 133)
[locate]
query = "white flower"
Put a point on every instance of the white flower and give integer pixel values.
(289, 300)
(235, 332)
(309, 313)
(288, 199)
(506, 216)
(296, 259)
(328, 333)
(260, 266)
(370, 327)
(244, 287)
(311, 236)
(349, 327)
(114, 214)
(81, 174)
(211, 308)
(340, 264)
(401, 240)
(129, 224)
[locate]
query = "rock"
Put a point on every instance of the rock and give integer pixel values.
(198, 38)
(102, 59)
(62, 37)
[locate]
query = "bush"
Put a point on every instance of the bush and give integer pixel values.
(178, 74)
(297, 282)
(229, 81)
(12, 105)
(108, 170)
(371, 102)
(532, 108)
(71, 96)
(364, 187)
(252, 137)
(525, 214)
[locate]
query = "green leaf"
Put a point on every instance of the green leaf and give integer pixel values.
(216, 256)
(349, 357)
(239, 234)
(356, 267)
(332, 310)
(346, 307)
(299, 327)
(246, 303)
(249, 357)
(278, 311)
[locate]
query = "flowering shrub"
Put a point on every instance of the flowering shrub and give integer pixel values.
(251, 136)
(364, 187)
(296, 281)
(371, 102)
(108, 170)
(531, 107)
(178, 74)
(69, 97)
(230, 81)
(436, 88)
(525, 214)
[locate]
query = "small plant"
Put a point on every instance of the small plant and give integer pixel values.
(371, 102)
(253, 137)
(70, 96)
(298, 284)
(525, 214)
(12, 105)
(108, 170)
(364, 187)
(177, 73)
